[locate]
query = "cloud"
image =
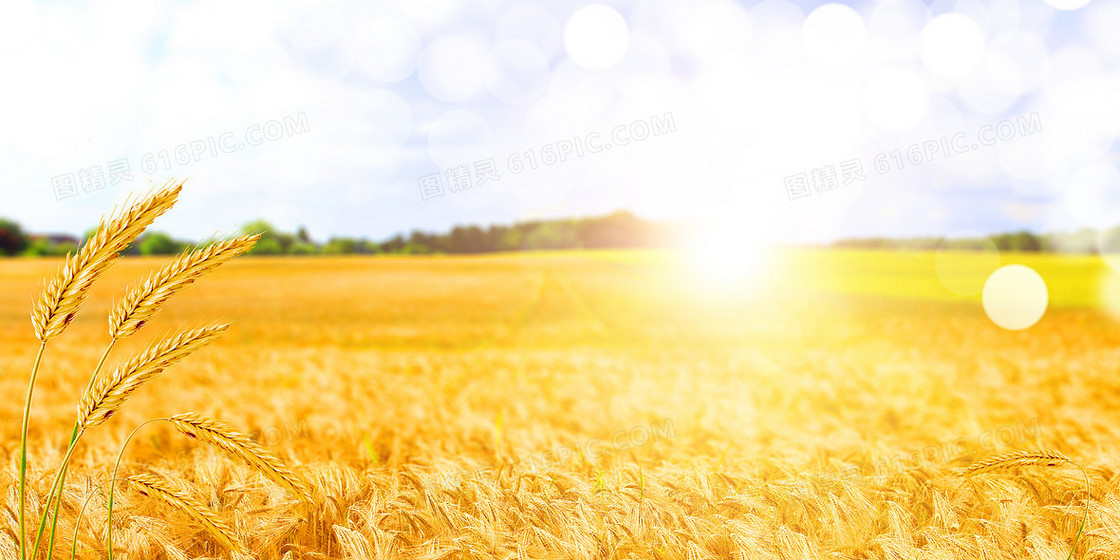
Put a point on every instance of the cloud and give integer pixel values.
(396, 91)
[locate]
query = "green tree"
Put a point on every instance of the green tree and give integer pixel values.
(621, 229)
(467, 239)
(413, 248)
(550, 235)
(159, 243)
(38, 248)
(1018, 241)
(368, 247)
(340, 246)
(1026, 241)
(286, 241)
(301, 248)
(420, 242)
(509, 239)
(394, 245)
(12, 238)
(267, 244)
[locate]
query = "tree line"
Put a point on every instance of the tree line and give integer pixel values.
(1084, 241)
(617, 230)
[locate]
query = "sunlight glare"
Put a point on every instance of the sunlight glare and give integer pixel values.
(732, 258)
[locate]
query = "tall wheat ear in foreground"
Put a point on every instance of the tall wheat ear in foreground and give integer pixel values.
(104, 395)
(1034, 458)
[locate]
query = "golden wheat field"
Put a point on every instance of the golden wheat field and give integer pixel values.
(585, 405)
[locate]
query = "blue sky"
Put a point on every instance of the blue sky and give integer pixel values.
(353, 118)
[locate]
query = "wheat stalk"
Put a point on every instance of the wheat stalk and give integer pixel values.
(70, 287)
(1035, 458)
(65, 293)
(62, 297)
(1025, 458)
(222, 436)
(107, 395)
(144, 300)
(152, 486)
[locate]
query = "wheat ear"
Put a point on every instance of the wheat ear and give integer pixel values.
(153, 487)
(108, 394)
(143, 301)
(220, 435)
(68, 290)
(1026, 458)
(1036, 458)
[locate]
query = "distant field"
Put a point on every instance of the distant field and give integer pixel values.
(1073, 281)
(598, 405)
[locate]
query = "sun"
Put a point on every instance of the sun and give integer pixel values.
(728, 258)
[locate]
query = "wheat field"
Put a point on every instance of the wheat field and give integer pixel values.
(585, 405)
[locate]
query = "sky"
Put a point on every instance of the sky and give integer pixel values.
(786, 121)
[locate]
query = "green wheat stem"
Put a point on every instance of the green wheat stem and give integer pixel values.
(1085, 516)
(721, 456)
(113, 476)
(499, 421)
(23, 452)
(50, 497)
(642, 483)
(78, 521)
(369, 448)
(60, 477)
(58, 498)
(62, 471)
(55, 487)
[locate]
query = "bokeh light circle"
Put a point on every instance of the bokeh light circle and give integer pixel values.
(324, 46)
(460, 138)
(1015, 297)
(1089, 195)
(388, 49)
(896, 99)
(451, 68)
(996, 88)
(517, 72)
(533, 24)
(1099, 25)
(596, 37)
(952, 46)
(893, 29)
(776, 42)
(834, 35)
(1027, 51)
(1067, 5)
